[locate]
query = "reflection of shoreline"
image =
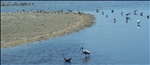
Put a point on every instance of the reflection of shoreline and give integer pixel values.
(21, 28)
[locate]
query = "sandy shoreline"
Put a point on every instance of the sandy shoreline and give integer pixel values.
(23, 28)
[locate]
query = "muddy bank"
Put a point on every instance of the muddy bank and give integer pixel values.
(23, 28)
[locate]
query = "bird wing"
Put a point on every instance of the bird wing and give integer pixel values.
(86, 51)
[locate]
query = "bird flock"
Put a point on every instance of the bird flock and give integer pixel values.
(127, 18)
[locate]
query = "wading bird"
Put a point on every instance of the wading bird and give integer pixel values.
(86, 52)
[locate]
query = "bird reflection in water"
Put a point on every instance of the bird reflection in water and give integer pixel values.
(138, 26)
(85, 59)
(67, 61)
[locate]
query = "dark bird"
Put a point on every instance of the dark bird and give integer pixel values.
(127, 19)
(61, 10)
(32, 3)
(86, 52)
(135, 10)
(112, 11)
(141, 14)
(122, 13)
(114, 20)
(135, 13)
(128, 14)
(67, 60)
(23, 10)
(69, 10)
(97, 10)
(102, 13)
(138, 26)
(148, 16)
(106, 16)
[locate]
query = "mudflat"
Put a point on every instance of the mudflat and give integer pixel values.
(23, 28)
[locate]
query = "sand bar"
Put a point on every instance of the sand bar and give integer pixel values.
(23, 28)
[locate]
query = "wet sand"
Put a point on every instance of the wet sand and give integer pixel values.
(23, 28)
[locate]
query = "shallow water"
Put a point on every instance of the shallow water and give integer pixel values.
(110, 43)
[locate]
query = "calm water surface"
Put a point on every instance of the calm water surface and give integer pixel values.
(110, 43)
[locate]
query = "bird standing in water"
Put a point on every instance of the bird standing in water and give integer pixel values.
(86, 52)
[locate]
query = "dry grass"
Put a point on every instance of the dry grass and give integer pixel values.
(22, 28)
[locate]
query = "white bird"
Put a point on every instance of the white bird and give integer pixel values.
(138, 21)
(86, 52)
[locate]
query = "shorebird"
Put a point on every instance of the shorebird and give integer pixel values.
(148, 16)
(127, 19)
(135, 13)
(102, 13)
(114, 20)
(86, 52)
(121, 13)
(141, 14)
(135, 10)
(112, 11)
(97, 10)
(67, 60)
(138, 22)
(106, 16)
(138, 26)
(128, 14)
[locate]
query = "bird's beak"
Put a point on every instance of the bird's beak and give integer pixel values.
(79, 49)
